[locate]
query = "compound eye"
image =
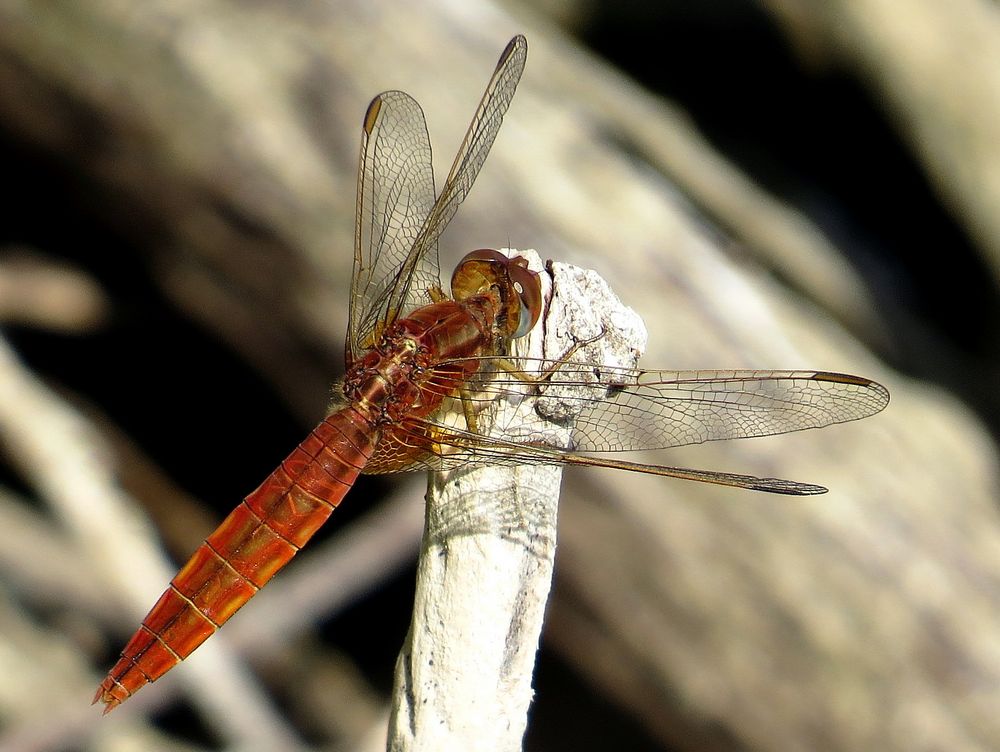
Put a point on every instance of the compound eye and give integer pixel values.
(486, 254)
(486, 268)
(529, 290)
(477, 272)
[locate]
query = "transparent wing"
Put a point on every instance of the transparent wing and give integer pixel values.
(618, 409)
(396, 263)
(395, 197)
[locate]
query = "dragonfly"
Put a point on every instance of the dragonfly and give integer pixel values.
(417, 357)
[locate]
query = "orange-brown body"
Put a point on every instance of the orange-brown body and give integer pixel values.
(396, 380)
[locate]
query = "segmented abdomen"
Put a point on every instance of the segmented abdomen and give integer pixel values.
(256, 540)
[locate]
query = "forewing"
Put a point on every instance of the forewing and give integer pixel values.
(395, 197)
(616, 409)
(639, 409)
(408, 292)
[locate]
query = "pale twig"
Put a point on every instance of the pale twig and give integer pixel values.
(463, 679)
(38, 561)
(39, 292)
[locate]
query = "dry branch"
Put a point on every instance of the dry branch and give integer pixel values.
(222, 138)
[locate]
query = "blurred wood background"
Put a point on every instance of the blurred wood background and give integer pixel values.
(814, 186)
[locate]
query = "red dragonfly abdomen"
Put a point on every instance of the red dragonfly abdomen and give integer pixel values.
(257, 539)
(405, 378)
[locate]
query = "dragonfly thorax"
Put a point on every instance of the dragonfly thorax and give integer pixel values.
(421, 359)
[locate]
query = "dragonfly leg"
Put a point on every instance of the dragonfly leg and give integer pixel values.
(511, 368)
(469, 409)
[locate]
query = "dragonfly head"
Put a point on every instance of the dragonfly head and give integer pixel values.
(517, 288)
